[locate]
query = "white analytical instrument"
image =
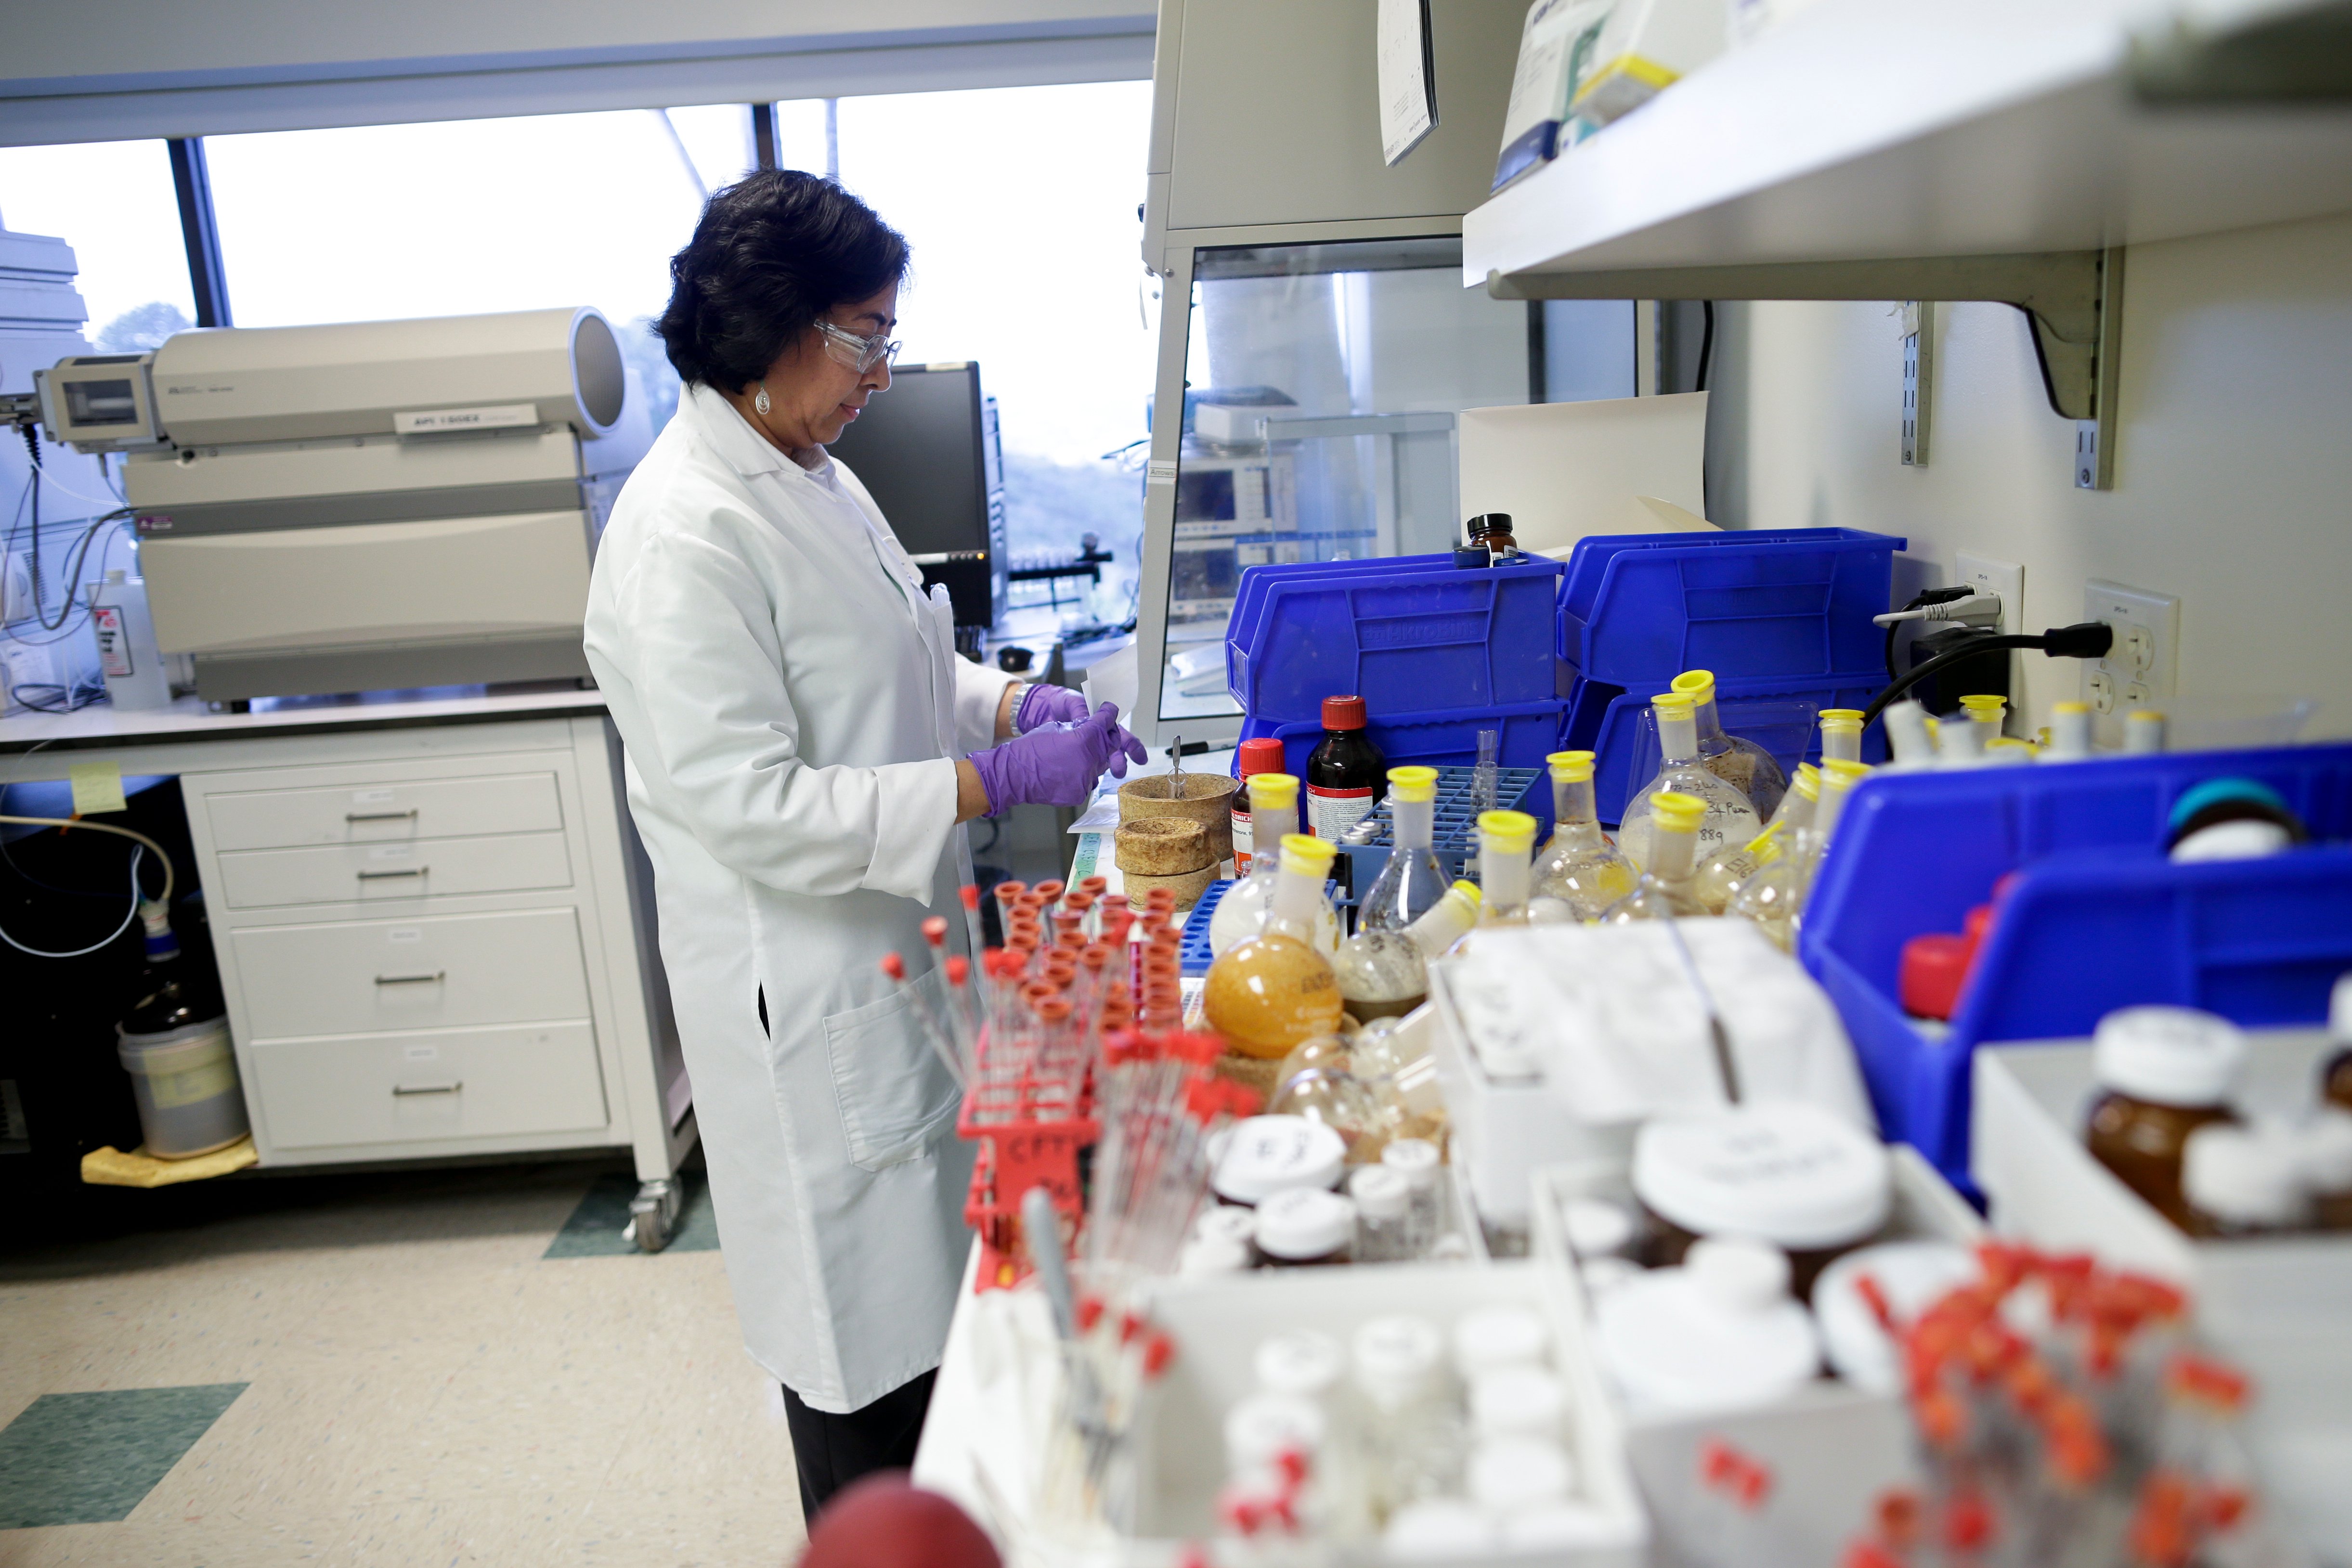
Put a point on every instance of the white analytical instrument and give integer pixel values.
(366, 506)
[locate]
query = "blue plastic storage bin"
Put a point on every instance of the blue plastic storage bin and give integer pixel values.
(1605, 719)
(1638, 608)
(1529, 733)
(1406, 640)
(1249, 600)
(1455, 835)
(2097, 919)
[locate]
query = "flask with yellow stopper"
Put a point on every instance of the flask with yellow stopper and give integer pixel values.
(1736, 761)
(1721, 875)
(1579, 868)
(1242, 912)
(1730, 818)
(1665, 891)
(1270, 992)
(1506, 847)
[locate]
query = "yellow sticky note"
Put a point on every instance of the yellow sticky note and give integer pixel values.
(97, 787)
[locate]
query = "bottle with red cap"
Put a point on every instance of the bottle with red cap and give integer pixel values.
(1263, 755)
(1346, 774)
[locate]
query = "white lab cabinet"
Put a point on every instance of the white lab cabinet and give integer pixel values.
(434, 925)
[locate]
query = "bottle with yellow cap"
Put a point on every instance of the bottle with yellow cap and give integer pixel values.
(1731, 817)
(1384, 972)
(1721, 875)
(1736, 761)
(2069, 734)
(1665, 890)
(1242, 912)
(1841, 734)
(1411, 883)
(2145, 732)
(1269, 992)
(1580, 869)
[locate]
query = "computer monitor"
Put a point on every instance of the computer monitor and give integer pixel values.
(927, 450)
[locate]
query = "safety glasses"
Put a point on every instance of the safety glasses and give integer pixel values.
(856, 353)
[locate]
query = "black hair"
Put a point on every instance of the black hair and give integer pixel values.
(771, 253)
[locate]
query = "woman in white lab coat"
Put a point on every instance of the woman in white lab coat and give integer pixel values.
(802, 743)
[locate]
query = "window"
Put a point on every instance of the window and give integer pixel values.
(113, 203)
(1323, 384)
(1027, 257)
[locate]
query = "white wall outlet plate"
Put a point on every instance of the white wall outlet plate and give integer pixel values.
(1984, 574)
(2142, 667)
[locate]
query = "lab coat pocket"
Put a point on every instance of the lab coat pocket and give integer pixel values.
(893, 1090)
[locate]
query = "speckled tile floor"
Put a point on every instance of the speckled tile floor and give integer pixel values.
(426, 1379)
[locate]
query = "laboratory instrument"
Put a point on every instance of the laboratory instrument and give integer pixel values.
(369, 505)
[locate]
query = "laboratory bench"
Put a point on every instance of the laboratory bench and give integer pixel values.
(434, 921)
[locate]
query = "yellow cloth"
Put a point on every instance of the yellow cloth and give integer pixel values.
(111, 1166)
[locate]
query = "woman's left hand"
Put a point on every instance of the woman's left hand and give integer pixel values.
(1043, 702)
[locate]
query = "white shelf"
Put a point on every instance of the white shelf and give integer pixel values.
(1878, 128)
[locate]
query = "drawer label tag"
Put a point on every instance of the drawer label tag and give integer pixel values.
(405, 933)
(392, 852)
(421, 1052)
(371, 797)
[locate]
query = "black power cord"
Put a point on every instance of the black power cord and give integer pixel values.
(1933, 596)
(2083, 639)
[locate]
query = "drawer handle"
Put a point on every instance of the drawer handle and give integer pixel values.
(400, 1089)
(435, 976)
(408, 815)
(382, 875)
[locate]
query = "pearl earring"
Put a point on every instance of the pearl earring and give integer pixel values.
(761, 402)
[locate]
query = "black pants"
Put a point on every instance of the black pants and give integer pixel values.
(831, 1451)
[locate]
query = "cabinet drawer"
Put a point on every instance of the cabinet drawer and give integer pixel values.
(373, 874)
(457, 1083)
(424, 809)
(440, 971)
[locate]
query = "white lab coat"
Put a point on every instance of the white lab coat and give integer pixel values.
(791, 706)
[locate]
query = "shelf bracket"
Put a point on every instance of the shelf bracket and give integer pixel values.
(2073, 301)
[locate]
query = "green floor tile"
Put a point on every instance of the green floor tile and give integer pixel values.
(594, 1228)
(87, 1458)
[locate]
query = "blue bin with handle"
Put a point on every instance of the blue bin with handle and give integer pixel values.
(1788, 602)
(1405, 638)
(2097, 918)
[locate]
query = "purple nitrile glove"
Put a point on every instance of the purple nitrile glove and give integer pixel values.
(1044, 703)
(1057, 765)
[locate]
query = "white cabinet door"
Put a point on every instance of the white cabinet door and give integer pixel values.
(432, 972)
(365, 813)
(376, 873)
(409, 1088)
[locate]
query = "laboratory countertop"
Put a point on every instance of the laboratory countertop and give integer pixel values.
(189, 718)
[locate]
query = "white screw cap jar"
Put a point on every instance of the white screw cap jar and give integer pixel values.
(1717, 1333)
(1780, 1171)
(1495, 1337)
(1519, 1402)
(1266, 1155)
(1913, 1275)
(1304, 1362)
(2169, 1056)
(1304, 1225)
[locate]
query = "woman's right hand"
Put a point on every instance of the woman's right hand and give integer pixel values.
(1056, 765)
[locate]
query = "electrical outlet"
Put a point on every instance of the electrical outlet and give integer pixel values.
(2005, 577)
(2142, 667)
